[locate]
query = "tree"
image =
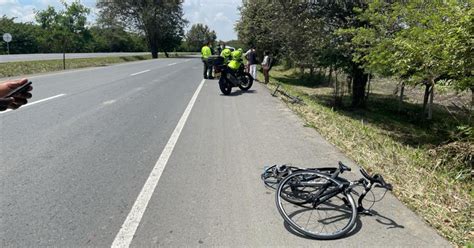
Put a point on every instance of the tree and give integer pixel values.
(304, 32)
(199, 35)
(261, 25)
(161, 21)
(403, 39)
(336, 15)
(25, 36)
(66, 29)
(116, 39)
(110, 35)
(236, 44)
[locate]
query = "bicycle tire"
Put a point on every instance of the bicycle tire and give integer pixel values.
(340, 208)
(271, 178)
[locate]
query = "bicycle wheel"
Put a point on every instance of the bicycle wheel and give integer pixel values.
(329, 219)
(269, 177)
(272, 175)
(296, 193)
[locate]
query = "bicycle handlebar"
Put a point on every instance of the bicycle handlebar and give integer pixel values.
(377, 178)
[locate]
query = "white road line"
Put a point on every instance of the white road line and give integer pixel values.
(109, 102)
(172, 64)
(127, 231)
(140, 72)
(36, 102)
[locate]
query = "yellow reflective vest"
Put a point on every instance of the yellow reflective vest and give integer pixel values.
(206, 52)
(234, 65)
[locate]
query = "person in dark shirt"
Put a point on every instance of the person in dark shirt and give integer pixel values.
(252, 62)
(266, 65)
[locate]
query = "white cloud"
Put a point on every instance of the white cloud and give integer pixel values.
(26, 12)
(6, 2)
(218, 15)
(22, 13)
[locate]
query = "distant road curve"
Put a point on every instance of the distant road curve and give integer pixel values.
(49, 56)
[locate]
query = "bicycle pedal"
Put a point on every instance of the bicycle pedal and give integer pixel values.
(365, 212)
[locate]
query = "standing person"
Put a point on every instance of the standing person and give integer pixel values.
(206, 52)
(266, 65)
(220, 48)
(226, 53)
(246, 55)
(252, 61)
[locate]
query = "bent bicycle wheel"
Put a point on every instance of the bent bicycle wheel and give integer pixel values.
(308, 212)
(272, 175)
(269, 177)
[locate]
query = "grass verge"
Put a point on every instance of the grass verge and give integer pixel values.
(13, 69)
(428, 177)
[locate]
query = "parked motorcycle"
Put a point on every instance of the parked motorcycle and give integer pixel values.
(230, 78)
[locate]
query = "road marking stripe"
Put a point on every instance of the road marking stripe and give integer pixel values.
(33, 103)
(172, 64)
(127, 231)
(109, 102)
(140, 72)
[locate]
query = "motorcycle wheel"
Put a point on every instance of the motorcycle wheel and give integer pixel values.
(224, 86)
(246, 81)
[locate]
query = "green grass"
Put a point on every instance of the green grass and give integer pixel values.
(13, 69)
(429, 163)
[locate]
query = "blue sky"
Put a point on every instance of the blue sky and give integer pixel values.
(219, 15)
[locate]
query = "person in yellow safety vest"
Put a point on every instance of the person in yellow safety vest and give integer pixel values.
(236, 61)
(226, 53)
(206, 52)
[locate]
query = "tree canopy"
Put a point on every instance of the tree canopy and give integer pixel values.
(198, 35)
(162, 22)
(67, 30)
(421, 42)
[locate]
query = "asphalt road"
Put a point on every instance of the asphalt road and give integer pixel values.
(74, 163)
(50, 56)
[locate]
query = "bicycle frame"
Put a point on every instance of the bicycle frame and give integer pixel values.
(323, 194)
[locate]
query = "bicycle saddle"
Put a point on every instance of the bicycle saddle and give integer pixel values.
(343, 167)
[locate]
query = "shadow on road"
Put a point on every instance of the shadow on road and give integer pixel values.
(356, 229)
(240, 92)
(384, 220)
(381, 219)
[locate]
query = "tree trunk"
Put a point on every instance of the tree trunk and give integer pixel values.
(426, 98)
(430, 106)
(349, 85)
(154, 54)
(337, 91)
(311, 71)
(166, 54)
(152, 43)
(472, 105)
(358, 87)
(400, 99)
(368, 87)
(330, 75)
(64, 54)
